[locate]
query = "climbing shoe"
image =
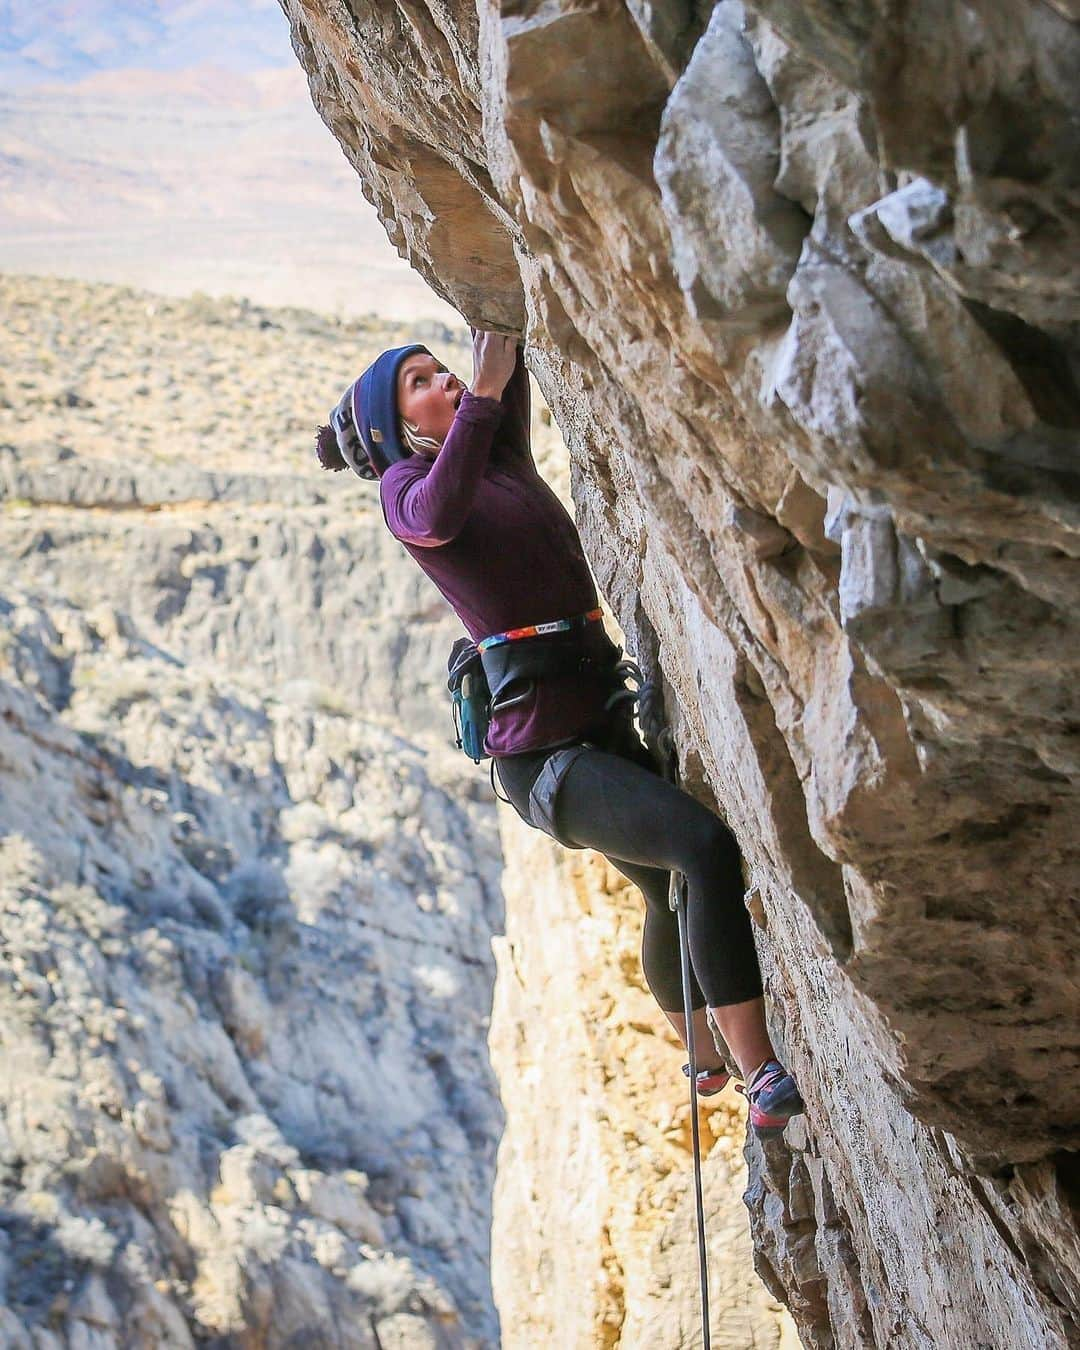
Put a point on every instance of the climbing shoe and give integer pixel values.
(773, 1098)
(710, 1081)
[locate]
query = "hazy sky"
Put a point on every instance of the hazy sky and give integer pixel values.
(66, 39)
(172, 144)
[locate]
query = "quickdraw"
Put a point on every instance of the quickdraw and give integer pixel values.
(677, 902)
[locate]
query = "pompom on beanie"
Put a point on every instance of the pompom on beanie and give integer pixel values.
(365, 421)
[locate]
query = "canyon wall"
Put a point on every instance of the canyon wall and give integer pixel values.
(799, 284)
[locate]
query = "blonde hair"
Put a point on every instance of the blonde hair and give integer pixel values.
(418, 444)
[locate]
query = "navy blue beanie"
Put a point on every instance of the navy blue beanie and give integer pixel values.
(365, 421)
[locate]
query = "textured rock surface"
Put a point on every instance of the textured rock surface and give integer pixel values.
(800, 285)
(238, 1069)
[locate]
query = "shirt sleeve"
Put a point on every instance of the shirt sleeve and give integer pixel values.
(429, 509)
(514, 440)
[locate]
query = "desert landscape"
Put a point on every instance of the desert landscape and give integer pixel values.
(305, 1041)
(243, 902)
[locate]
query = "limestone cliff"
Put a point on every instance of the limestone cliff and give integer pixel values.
(799, 284)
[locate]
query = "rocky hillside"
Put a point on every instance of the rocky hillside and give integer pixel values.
(189, 422)
(799, 283)
(247, 889)
(246, 980)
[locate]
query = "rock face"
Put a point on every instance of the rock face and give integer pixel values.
(799, 283)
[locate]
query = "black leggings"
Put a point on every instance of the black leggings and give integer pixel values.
(613, 800)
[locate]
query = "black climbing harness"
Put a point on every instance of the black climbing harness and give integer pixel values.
(677, 901)
(499, 671)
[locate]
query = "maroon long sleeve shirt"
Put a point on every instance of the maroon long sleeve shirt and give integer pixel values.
(502, 549)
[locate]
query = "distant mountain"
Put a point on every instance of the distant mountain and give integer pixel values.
(172, 144)
(50, 41)
(212, 86)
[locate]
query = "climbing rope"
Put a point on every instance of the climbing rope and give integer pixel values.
(677, 902)
(665, 744)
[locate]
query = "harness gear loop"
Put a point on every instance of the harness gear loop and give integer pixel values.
(626, 670)
(677, 901)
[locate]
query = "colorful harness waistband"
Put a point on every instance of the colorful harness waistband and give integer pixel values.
(540, 629)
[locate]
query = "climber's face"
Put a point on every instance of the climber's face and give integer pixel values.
(428, 394)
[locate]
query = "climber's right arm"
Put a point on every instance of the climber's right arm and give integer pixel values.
(428, 506)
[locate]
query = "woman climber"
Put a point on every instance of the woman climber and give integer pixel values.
(460, 490)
